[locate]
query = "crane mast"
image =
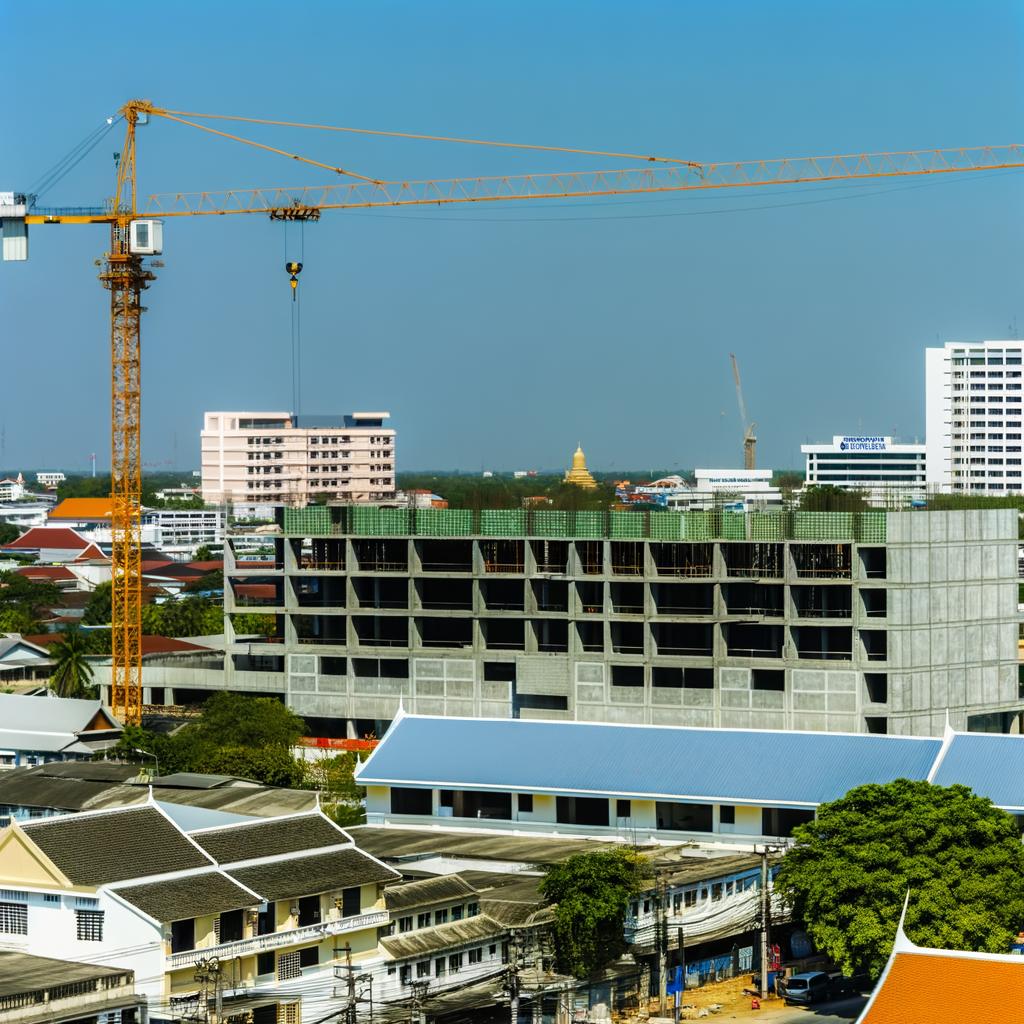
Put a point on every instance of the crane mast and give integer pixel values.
(749, 438)
(125, 274)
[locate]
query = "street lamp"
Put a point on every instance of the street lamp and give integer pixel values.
(146, 753)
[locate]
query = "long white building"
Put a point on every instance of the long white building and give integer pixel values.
(973, 416)
(276, 458)
(876, 465)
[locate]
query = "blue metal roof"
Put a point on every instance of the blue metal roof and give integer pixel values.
(644, 762)
(991, 764)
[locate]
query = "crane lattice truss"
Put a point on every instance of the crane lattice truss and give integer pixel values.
(125, 275)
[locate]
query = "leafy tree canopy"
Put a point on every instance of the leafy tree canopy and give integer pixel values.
(97, 611)
(592, 893)
(23, 602)
(826, 498)
(340, 797)
(8, 533)
(72, 673)
(960, 857)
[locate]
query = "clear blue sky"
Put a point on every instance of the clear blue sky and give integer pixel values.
(499, 336)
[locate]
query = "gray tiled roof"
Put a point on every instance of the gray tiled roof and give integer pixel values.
(445, 936)
(427, 891)
(304, 876)
(174, 900)
(270, 838)
(93, 849)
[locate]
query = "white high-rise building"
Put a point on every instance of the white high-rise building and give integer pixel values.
(973, 416)
(274, 458)
(875, 465)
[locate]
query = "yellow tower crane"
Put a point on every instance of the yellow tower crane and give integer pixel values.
(136, 234)
(749, 437)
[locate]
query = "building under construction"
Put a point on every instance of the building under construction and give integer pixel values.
(862, 622)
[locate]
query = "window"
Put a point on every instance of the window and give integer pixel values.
(264, 963)
(457, 912)
(309, 957)
(423, 920)
(677, 902)
(623, 808)
(727, 814)
(476, 955)
(716, 891)
(472, 909)
(690, 898)
(439, 967)
(183, 936)
(455, 963)
(405, 924)
(441, 916)
(404, 974)
(266, 923)
(350, 901)
(230, 926)
(51, 897)
(89, 925)
(423, 969)
(526, 803)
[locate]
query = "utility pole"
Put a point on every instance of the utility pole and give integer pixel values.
(418, 1000)
(513, 982)
(682, 971)
(661, 923)
(766, 913)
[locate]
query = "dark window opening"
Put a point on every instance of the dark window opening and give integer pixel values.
(727, 814)
(746, 640)
(541, 702)
(504, 634)
(683, 559)
(699, 678)
(503, 595)
(411, 801)
(309, 910)
(623, 808)
(877, 684)
(230, 926)
(627, 598)
(266, 920)
(876, 724)
(309, 957)
(667, 676)
(503, 555)
(551, 635)
(591, 636)
(683, 598)
(454, 632)
(551, 555)
(627, 558)
(683, 638)
(525, 802)
(768, 679)
(445, 595)
(581, 810)
(627, 675)
(876, 644)
(780, 821)
(823, 561)
(873, 563)
(627, 637)
(499, 671)
(445, 555)
(754, 599)
(468, 804)
(264, 963)
(679, 817)
(550, 595)
(875, 602)
(827, 643)
(591, 597)
(351, 899)
(754, 560)
(183, 935)
(822, 602)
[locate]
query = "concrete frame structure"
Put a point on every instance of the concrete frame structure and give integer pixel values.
(973, 416)
(275, 457)
(842, 635)
(875, 465)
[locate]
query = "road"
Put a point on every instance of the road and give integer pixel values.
(840, 1012)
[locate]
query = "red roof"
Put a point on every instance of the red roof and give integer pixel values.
(152, 564)
(205, 567)
(54, 573)
(150, 644)
(60, 537)
(90, 553)
(257, 590)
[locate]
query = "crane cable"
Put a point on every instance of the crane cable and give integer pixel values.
(424, 138)
(73, 157)
(294, 268)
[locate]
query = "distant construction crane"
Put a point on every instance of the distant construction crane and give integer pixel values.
(135, 223)
(749, 437)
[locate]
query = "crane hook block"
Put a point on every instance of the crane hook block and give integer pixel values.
(293, 269)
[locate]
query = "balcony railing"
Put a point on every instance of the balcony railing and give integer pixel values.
(275, 940)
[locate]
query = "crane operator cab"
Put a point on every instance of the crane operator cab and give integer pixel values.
(146, 237)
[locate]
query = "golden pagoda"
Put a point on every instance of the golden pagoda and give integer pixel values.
(579, 475)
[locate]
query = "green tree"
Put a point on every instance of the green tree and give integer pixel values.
(208, 581)
(592, 892)
(340, 797)
(190, 616)
(24, 602)
(8, 533)
(270, 765)
(826, 498)
(97, 611)
(72, 673)
(231, 720)
(959, 857)
(203, 554)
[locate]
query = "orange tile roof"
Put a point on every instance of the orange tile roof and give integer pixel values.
(943, 986)
(83, 508)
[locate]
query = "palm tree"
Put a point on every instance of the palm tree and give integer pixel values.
(72, 672)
